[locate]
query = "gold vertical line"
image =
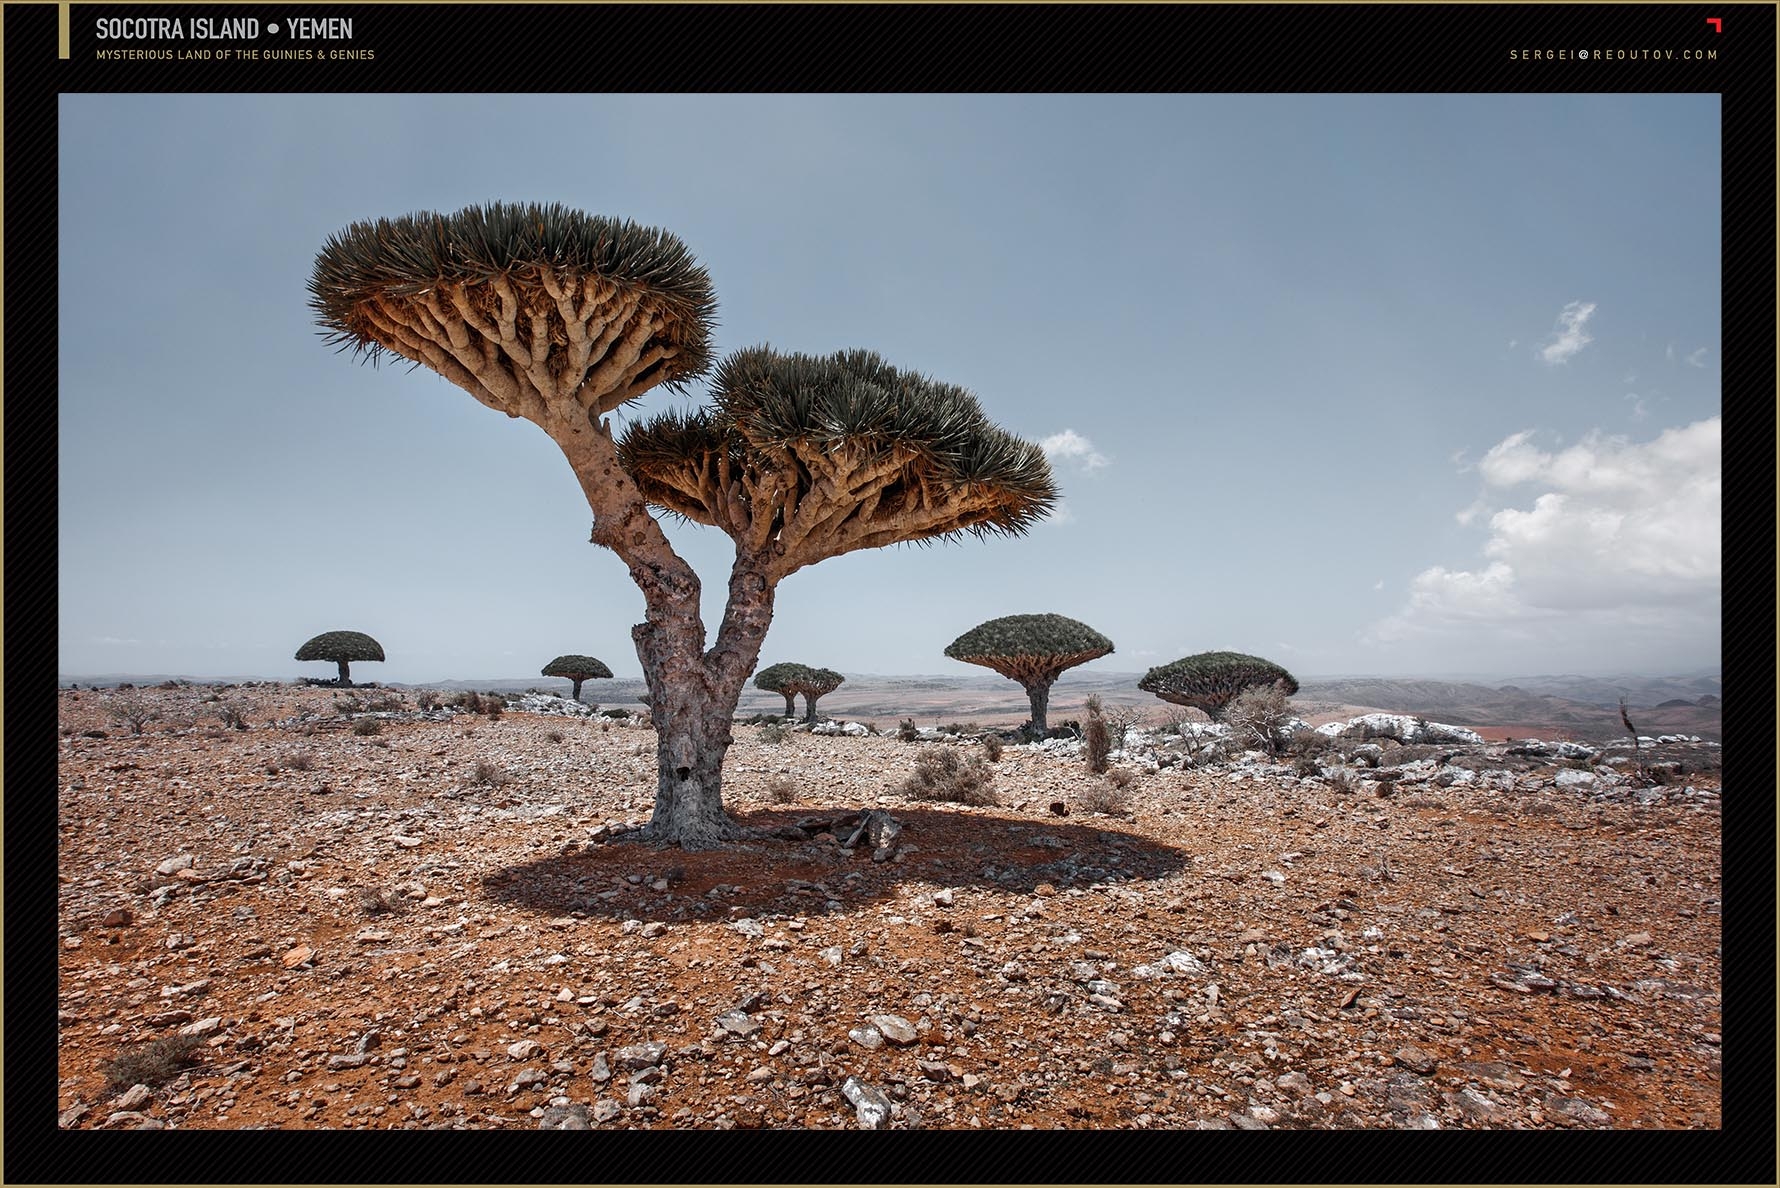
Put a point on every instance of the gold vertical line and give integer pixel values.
(62, 22)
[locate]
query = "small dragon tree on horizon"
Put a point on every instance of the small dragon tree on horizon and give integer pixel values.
(1033, 650)
(560, 317)
(341, 647)
(577, 669)
(1210, 681)
(788, 680)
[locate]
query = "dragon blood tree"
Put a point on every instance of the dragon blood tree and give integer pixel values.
(1210, 681)
(787, 680)
(576, 669)
(1033, 650)
(821, 682)
(560, 317)
(342, 647)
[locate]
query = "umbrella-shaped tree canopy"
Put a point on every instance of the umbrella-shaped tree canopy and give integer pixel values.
(1210, 681)
(522, 305)
(1033, 650)
(341, 647)
(576, 669)
(802, 457)
(788, 680)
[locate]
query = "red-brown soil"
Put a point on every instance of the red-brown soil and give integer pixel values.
(1459, 956)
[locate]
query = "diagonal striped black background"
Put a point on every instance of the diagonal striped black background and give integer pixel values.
(941, 47)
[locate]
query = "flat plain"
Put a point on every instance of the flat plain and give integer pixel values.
(441, 925)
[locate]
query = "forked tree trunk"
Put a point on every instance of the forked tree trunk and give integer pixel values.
(693, 696)
(809, 702)
(345, 674)
(1038, 696)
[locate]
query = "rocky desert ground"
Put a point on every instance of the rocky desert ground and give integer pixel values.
(274, 915)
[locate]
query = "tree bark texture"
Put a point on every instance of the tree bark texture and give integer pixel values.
(809, 702)
(575, 693)
(1038, 696)
(791, 705)
(345, 674)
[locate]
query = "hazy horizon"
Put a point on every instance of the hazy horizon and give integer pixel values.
(1374, 384)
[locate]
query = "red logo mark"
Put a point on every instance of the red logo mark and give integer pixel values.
(1717, 24)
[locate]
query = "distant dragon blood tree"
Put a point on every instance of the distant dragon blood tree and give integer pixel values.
(826, 681)
(342, 647)
(1033, 650)
(788, 680)
(576, 669)
(1210, 681)
(561, 317)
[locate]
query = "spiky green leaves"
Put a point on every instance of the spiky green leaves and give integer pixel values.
(341, 645)
(807, 457)
(1210, 681)
(521, 304)
(576, 668)
(1030, 649)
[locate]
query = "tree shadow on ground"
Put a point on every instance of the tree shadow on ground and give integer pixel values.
(939, 849)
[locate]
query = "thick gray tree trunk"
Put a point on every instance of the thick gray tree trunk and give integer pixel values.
(791, 705)
(345, 674)
(1038, 696)
(575, 693)
(693, 695)
(809, 703)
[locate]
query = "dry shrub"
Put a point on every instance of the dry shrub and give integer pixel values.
(992, 747)
(773, 733)
(1258, 717)
(1341, 779)
(129, 710)
(942, 773)
(152, 1063)
(1121, 778)
(1096, 738)
(488, 774)
(300, 760)
(427, 699)
(367, 726)
(1104, 796)
(906, 731)
(554, 736)
(782, 790)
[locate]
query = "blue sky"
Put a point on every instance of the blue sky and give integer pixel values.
(1362, 384)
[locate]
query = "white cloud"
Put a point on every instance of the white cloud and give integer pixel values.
(1570, 335)
(1639, 411)
(1697, 358)
(1379, 584)
(1470, 512)
(1621, 535)
(1070, 446)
